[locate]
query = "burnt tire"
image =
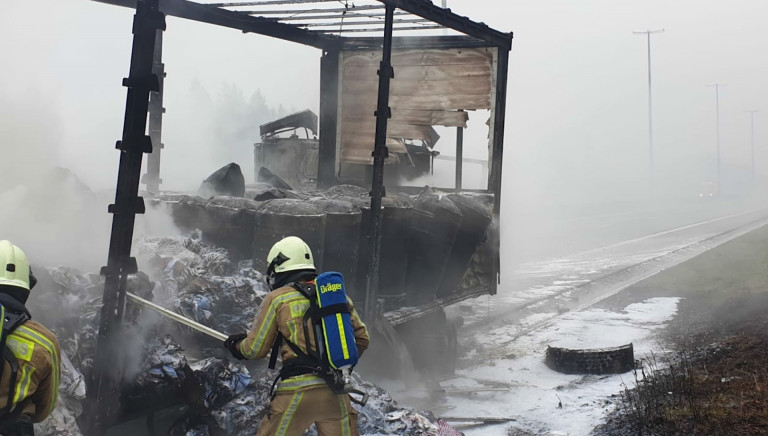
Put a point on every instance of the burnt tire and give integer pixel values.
(591, 361)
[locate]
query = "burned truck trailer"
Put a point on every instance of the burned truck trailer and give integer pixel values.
(378, 96)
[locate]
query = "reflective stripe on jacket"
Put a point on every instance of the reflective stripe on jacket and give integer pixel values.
(37, 382)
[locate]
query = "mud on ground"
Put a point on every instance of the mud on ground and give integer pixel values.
(715, 381)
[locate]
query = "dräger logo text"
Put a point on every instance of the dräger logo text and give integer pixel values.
(330, 287)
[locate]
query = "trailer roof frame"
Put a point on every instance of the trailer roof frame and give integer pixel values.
(248, 17)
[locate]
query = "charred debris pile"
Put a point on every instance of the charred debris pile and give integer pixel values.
(434, 245)
(169, 367)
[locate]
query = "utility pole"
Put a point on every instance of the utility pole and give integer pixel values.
(752, 139)
(651, 171)
(717, 128)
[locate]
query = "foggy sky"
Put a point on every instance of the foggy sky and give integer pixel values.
(577, 94)
(577, 105)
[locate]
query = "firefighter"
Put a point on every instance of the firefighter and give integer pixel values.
(301, 397)
(31, 368)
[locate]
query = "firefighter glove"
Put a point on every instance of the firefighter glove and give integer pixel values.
(233, 345)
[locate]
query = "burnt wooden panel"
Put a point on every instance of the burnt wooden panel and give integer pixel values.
(429, 88)
(416, 89)
(367, 73)
(421, 117)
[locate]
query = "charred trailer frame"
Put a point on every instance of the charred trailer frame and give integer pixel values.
(323, 31)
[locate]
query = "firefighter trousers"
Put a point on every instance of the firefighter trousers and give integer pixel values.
(292, 412)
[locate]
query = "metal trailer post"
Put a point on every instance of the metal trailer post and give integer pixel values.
(459, 156)
(380, 153)
(494, 181)
(329, 115)
(103, 386)
(156, 110)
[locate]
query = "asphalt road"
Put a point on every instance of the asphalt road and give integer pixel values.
(612, 251)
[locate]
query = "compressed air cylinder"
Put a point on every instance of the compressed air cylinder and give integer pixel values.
(338, 330)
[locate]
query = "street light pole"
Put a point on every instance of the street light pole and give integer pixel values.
(717, 128)
(752, 139)
(648, 34)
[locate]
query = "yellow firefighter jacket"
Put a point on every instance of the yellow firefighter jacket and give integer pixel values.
(283, 311)
(37, 382)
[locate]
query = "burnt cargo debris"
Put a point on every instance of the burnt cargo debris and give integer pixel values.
(292, 159)
(212, 395)
(266, 176)
(227, 180)
(435, 225)
(476, 218)
(433, 245)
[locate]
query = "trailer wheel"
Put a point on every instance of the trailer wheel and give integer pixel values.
(388, 357)
(451, 355)
(432, 341)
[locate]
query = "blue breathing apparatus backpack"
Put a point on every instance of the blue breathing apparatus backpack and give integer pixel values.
(329, 322)
(339, 333)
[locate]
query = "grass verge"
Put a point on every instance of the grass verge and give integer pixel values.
(716, 383)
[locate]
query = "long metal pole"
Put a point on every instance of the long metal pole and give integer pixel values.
(717, 128)
(176, 317)
(380, 153)
(752, 140)
(651, 166)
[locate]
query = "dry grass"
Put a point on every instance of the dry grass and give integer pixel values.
(697, 394)
(717, 381)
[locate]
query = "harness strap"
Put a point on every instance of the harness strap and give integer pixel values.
(302, 360)
(306, 364)
(306, 289)
(300, 365)
(308, 322)
(275, 351)
(334, 309)
(11, 359)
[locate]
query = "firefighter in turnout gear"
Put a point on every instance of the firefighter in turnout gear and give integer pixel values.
(306, 392)
(31, 369)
